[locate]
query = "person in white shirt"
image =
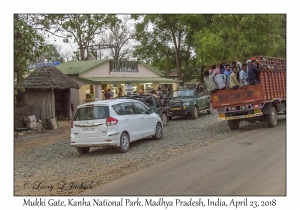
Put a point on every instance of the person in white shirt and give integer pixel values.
(244, 75)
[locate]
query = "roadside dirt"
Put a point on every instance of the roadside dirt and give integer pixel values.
(37, 140)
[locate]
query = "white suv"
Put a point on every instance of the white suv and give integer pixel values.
(113, 122)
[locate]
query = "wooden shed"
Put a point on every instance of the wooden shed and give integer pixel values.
(48, 89)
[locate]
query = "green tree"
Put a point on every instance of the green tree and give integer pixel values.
(52, 52)
(80, 29)
(240, 36)
(29, 44)
(166, 40)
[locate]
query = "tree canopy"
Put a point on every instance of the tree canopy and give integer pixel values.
(240, 36)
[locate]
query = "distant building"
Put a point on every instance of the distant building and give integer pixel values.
(93, 76)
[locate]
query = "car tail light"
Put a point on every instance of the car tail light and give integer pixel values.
(71, 123)
(111, 121)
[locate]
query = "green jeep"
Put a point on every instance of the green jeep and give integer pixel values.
(187, 102)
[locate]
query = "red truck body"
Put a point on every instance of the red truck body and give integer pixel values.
(255, 101)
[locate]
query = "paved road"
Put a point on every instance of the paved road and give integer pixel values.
(251, 163)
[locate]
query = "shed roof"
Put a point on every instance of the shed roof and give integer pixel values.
(47, 77)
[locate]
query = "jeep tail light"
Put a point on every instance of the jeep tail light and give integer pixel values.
(111, 121)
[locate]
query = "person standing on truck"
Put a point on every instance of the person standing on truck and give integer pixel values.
(213, 67)
(253, 73)
(244, 75)
(248, 64)
(234, 83)
(156, 98)
(220, 81)
(222, 68)
(208, 79)
(161, 96)
(199, 89)
(227, 72)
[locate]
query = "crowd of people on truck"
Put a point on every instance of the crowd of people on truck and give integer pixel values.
(232, 77)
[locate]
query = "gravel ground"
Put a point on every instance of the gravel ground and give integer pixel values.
(59, 169)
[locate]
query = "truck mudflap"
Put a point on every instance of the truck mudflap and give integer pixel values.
(222, 116)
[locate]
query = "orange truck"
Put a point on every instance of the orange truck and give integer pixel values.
(261, 102)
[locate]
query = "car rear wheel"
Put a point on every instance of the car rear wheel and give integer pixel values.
(83, 150)
(195, 113)
(124, 142)
(164, 119)
(158, 131)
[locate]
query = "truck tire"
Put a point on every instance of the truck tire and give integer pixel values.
(210, 109)
(234, 124)
(195, 113)
(164, 118)
(271, 119)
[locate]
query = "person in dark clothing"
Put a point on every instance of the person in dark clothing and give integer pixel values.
(107, 94)
(253, 73)
(199, 89)
(161, 96)
(222, 68)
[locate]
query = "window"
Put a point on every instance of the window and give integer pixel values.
(91, 113)
(140, 108)
(124, 108)
(117, 108)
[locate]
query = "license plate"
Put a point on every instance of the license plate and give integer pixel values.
(88, 129)
(257, 110)
(222, 115)
(175, 108)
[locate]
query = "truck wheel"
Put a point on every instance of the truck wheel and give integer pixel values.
(158, 132)
(83, 150)
(124, 142)
(271, 119)
(210, 109)
(164, 119)
(234, 124)
(195, 113)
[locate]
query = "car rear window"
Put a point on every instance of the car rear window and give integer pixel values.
(91, 113)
